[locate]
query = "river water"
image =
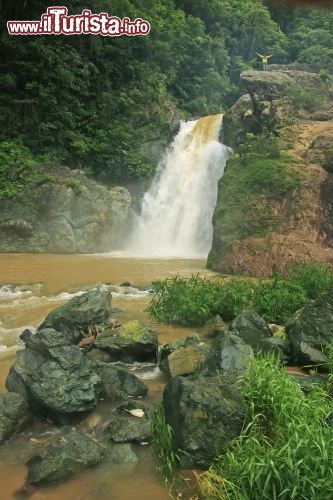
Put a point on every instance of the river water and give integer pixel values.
(31, 286)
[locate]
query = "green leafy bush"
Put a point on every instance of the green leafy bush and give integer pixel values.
(302, 98)
(17, 168)
(75, 185)
(262, 145)
(286, 449)
(192, 301)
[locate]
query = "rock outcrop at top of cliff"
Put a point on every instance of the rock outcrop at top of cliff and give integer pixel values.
(275, 208)
(69, 213)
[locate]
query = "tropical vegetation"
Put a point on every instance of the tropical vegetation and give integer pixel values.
(97, 103)
(286, 449)
(194, 300)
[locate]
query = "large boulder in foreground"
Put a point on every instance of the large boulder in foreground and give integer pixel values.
(67, 383)
(67, 454)
(64, 381)
(14, 414)
(310, 330)
(91, 308)
(134, 341)
(205, 413)
(54, 376)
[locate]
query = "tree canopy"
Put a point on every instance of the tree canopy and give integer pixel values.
(92, 102)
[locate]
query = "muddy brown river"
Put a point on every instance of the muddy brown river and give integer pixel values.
(30, 287)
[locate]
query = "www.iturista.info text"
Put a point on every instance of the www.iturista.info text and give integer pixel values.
(57, 22)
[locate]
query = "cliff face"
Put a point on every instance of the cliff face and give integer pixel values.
(276, 210)
(66, 214)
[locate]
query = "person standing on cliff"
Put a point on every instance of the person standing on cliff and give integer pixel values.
(264, 60)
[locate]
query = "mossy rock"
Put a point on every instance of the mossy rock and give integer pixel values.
(185, 360)
(205, 413)
(134, 341)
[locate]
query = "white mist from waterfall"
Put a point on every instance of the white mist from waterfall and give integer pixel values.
(177, 210)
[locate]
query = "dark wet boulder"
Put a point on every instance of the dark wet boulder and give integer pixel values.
(90, 308)
(310, 330)
(129, 422)
(58, 379)
(68, 383)
(69, 453)
(63, 382)
(183, 356)
(116, 381)
(14, 414)
(48, 338)
(205, 413)
(229, 355)
(121, 453)
(134, 341)
(25, 335)
(280, 347)
(252, 328)
(126, 429)
(22, 372)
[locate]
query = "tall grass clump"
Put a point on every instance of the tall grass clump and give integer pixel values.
(276, 300)
(192, 301)
(163, 444)
(314, 277)
(286, 449)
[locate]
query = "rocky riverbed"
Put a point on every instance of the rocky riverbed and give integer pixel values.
(79, 356)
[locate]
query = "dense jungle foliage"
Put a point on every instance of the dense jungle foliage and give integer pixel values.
(97, 103)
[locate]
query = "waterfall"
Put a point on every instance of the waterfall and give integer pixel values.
(177, 210)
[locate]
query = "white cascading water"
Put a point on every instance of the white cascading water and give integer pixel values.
(177, 210)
